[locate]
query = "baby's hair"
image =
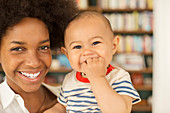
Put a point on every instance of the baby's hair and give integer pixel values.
(54, 13)
(89, 14)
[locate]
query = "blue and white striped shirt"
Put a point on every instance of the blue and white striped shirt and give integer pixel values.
(78, 97)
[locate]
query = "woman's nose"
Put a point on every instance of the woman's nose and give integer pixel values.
(33, 60)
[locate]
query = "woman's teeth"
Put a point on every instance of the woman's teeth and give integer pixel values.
(30, 75)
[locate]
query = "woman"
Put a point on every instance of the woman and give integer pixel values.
(29, 29)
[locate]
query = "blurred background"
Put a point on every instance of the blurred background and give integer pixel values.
(144, 49)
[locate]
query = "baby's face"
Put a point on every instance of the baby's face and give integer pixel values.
(88, 38)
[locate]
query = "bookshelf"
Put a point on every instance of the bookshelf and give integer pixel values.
(56, 75)
(132, 20)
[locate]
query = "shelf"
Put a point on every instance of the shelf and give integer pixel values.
(125, 10)
(61, 70)
(99, 9)
(54, 84)
(138, 32)
(143, 87)
(143, 53)
(148, 70)
(90, 8)
(142, 106)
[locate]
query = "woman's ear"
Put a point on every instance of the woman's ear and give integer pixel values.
(115, 44)
(0, 57)
(64, 51)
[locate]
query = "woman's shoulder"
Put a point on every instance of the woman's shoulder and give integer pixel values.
(57, 108)
(55, 89)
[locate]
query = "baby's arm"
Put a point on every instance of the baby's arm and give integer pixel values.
(108, 100)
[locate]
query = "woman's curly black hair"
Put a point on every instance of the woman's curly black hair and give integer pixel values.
(54, 13)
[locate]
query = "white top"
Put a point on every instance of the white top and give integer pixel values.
(77, 96)
(13, 103)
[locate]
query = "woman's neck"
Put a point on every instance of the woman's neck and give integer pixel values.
(34, 101)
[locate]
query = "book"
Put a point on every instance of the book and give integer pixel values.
(130, 61)
(49, 79)
(137, 78)
(82, 4)
(147, 44)
(129, 42)
(113, 4)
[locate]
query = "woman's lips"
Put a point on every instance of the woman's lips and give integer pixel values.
(30, 75)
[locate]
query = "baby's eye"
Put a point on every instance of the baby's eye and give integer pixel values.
(95, 43)
(77, 47)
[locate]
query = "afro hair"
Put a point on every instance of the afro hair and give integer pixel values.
(54, 13)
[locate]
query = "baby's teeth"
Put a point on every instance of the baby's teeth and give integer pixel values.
(30, 75)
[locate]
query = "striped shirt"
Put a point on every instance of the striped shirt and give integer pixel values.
(77, 95)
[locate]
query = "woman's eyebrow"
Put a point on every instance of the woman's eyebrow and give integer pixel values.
(17, 42)
(44, 41)
(20, 42)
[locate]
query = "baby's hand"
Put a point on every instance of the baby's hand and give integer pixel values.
(94, 67)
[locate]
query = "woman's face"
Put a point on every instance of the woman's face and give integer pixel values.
(25, 55)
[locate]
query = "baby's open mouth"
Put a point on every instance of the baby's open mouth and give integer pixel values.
(30, 75)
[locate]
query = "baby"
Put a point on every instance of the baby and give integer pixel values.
(94, 85)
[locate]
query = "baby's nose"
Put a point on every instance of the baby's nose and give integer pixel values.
(86, 55)
(87, 52)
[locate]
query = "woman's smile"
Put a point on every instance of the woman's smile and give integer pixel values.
(30, 75)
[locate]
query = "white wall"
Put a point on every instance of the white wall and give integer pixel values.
(161, 74)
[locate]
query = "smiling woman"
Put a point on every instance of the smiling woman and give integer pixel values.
(29, 56)
(29, 29)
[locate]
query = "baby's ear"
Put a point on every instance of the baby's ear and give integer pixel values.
(115, 44)
(64, 51)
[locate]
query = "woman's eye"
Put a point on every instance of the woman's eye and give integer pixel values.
(17, 49)
(77, 47)
(44, 48)
(95, 43)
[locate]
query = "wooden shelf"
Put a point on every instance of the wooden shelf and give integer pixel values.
(143, 87)
(91, 8)
(143, 53)
(148, 70)
(138, 32)
(125, 10)
(61, 70)
(142, 106)
(99, 9)
(54, 84)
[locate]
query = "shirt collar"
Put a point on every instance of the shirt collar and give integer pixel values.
(7, 94)
(85, 80)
